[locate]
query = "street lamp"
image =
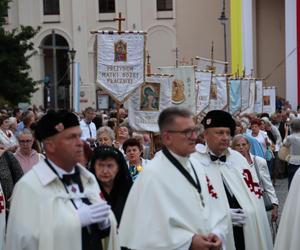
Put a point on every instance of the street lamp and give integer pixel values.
(223, 19)
(72, 54)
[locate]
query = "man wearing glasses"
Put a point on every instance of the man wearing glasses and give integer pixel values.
(169, 204)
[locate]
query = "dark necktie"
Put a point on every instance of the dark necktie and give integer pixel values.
(70, 179)
(221, 158)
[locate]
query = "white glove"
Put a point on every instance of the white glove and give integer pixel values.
(94, 213)
(238, 217)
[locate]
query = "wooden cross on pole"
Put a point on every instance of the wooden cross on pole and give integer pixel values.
(148, 63)
(212, 57)
(176, 50)
(119, 19)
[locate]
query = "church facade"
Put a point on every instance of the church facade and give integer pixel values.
(176, 31)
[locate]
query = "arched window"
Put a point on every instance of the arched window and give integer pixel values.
(51, 7)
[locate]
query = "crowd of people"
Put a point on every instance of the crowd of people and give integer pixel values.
(87, 181)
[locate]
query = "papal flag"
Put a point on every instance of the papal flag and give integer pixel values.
(183, 86)
(245, 94)
(235, 96)
(252, 90)
(2, 219)
(145, 105)
(269, 100)
(218, 93)
(258, 105)
(202, 90)
(120, 62)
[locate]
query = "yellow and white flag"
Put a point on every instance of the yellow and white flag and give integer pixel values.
(145, 105)
(120, 62)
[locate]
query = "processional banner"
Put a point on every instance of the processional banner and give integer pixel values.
(252, 87)
(202, 90)
(269, 100)
(218, 93)
(235, 96)
(120, 62)
(245, 94)
(145, 105)
(183, 86)
(258, 105)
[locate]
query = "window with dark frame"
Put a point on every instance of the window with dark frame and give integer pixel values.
(164, 5)
(107, 6)
(51, 7)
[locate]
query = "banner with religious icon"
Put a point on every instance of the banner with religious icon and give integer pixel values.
(269, 100)
(252, 89)
(245, 86)
(218, 93)
(120, 62)
(183, 86)
(147, 101)
(202, 90)
(2, 218)
(235, 96)
(258, 105)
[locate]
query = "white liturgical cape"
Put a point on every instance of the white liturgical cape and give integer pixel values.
(163, 210)
(289, 226)
(257, 232)
(42, 216)
(2, 218)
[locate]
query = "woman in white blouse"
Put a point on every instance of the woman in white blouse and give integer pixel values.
(7, 138)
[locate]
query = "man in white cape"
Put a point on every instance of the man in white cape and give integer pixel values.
(288, 232)
(57, 205)
(166, 209)
(238, 189)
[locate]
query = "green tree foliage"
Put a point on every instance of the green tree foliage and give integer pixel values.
(16, 48)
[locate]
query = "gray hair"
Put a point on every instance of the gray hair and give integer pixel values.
(25, 131)
(107, 130)
(295, 125)
(236, 138)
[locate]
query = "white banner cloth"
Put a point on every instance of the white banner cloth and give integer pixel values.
(145, 105)
(269, 100)
(120, 63)
(245, 94)
(258, 105)
(252, 88)
(183, 86)
(218, 93)
(203, 80)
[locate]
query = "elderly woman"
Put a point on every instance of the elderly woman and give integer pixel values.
(110, 168)
(242, 145)
(134, 150)
(105, 136)
(292, 141)
(7, 138)
(25, 154)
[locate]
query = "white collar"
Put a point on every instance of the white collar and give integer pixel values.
(182, 159)
(59, 170)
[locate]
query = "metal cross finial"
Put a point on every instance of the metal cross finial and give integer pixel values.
(176, 50)
(119, 19)
(148, 57)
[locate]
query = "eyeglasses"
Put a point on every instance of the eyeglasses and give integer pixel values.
(25, 141)
(187, 132)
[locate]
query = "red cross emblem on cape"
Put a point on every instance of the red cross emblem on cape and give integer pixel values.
(252, 185)
(2, 207)
(211, 190)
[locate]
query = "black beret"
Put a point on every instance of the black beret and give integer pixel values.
(54, 122)
(219, 118)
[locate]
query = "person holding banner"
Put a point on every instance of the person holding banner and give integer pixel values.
(88, 127)
(169, 206)
(238, 189)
